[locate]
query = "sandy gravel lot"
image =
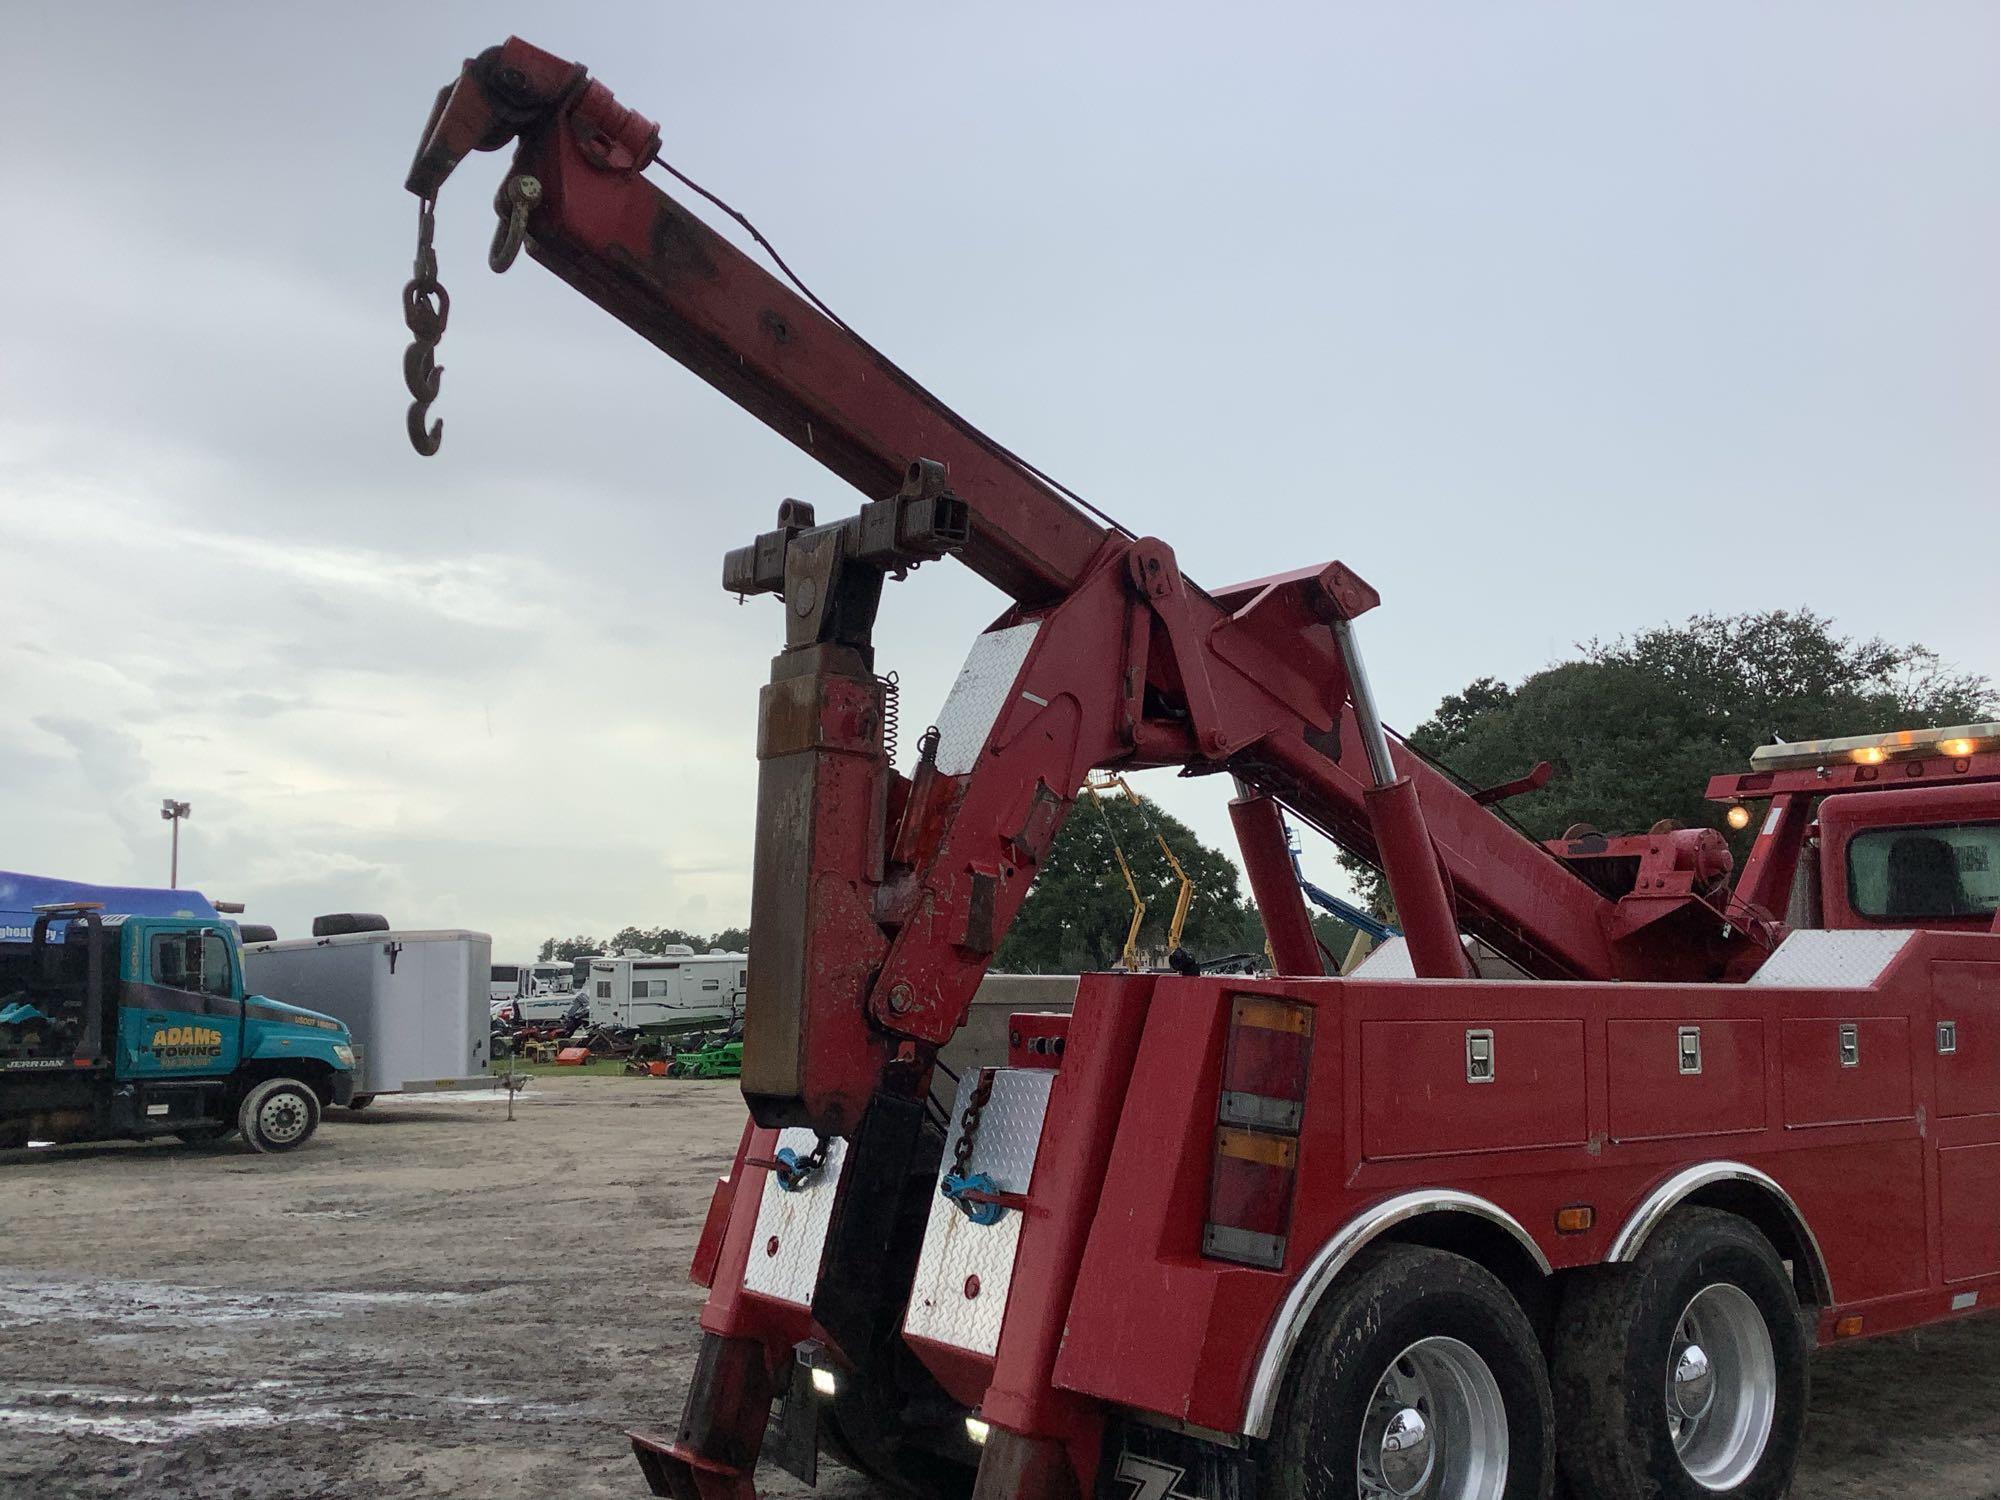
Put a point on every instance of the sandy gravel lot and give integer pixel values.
(430, 1301)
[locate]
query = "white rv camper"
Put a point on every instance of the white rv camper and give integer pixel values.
(541, 991)
(679, 988)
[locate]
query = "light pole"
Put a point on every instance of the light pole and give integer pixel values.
(173, 812)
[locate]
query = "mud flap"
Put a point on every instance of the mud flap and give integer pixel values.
(853, 1298)
(792, 1441)
(1142, 1462)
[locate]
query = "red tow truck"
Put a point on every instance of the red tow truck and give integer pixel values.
(1568, 1180)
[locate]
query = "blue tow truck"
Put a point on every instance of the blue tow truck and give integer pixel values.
(123, 1016)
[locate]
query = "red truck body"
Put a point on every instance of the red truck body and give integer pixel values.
(1128, 1263)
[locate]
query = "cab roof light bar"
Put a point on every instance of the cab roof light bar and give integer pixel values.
(1957, 741)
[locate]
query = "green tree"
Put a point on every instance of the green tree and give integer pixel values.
(1077, 912)
(1635, 727)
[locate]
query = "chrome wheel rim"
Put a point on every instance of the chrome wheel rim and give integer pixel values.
(1435, 1428)
(282, 1118)
(1722, 1386)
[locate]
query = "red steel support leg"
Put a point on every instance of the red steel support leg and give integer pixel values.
(1766, 884)
(1403, 842)
(1417, 884)
(1274, 886)
(715, 1454)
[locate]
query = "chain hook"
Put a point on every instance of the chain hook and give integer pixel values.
(514, 202)
(427, 306)
(796, 1173)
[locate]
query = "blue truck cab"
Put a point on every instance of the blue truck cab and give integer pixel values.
(120, 1026)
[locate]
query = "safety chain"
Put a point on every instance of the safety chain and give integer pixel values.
(969, 1122)
(974, 1194)
(426, 307)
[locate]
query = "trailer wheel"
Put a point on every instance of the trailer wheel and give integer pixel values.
(1419, 1377)
(280, 1114)
(1684, 1375)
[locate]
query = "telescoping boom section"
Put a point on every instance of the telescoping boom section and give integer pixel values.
(1128, 1261)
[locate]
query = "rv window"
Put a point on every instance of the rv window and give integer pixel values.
(639, 989)
(604, 989)
(506, 973)
(712, 984)
(1906, 874)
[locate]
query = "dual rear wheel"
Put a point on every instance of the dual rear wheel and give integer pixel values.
(1679, 1377)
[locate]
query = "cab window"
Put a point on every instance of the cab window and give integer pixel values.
(1911, 874)
(197, 962)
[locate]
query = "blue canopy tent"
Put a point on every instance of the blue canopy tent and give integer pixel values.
(21, 894)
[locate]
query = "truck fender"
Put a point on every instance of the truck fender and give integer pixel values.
(1268, 1379)
(1743, 1190)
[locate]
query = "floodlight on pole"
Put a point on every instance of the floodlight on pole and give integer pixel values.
(173, 812)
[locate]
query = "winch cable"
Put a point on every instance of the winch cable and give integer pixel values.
(992, 445)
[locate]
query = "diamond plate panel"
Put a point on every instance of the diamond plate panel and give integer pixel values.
(978, 695)
(796, 1223)
(1389, 959)
(1832, 960)
(955, 1248)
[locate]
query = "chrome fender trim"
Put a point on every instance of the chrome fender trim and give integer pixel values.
(1332, 1258)
(1662, 1200)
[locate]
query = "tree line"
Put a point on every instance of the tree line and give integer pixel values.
(645, 940)
(1633, 728)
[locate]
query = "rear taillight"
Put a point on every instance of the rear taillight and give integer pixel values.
(1256, 1165)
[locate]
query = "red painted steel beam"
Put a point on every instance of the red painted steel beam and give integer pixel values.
(1845, 776)
(1259, 682)
(1274, 884)
(661, 271)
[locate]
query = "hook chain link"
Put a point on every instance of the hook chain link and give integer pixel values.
(426, 308)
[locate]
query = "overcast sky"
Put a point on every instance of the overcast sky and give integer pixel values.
(1553, 321)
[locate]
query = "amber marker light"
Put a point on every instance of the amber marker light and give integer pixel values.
(1957, 748)
(1575, 1219)
(1868, 755)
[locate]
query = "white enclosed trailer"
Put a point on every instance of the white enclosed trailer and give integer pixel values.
(679, 988)
(415, 1001)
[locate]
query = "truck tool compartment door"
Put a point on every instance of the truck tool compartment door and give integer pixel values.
(181, 1015)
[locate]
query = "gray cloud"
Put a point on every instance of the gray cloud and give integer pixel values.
(1552, 322)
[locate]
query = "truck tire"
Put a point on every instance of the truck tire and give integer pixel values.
(340, 923)
(1683, 1376)
(1419, 1375)
(280, 1114)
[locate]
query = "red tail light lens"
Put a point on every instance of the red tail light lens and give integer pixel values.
(1255, 1169)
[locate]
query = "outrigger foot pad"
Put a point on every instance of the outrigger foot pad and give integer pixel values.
(677, 1474)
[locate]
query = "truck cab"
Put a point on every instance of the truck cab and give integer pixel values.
(1885, 831)
(120, 1026)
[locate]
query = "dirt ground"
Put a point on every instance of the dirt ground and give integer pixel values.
(430, 1301)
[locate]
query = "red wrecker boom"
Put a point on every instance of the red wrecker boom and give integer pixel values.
(1157, 1219)
(878, 901)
